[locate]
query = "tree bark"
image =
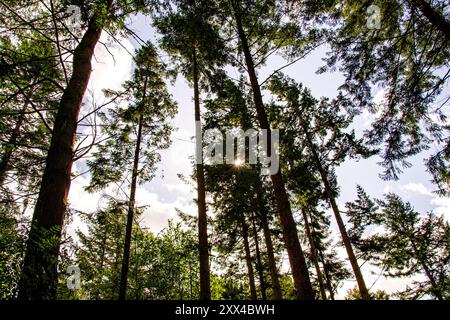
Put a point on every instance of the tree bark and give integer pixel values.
(314, 256)
(131, 207)
(276, 287)
(262, 283)
(205, 288)
(347, 244)
(39, 273)
(290, 235)
(248, 259)
(437, 20)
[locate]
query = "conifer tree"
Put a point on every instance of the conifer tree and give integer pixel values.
(193, 42)
(136, 129)
(409, 244)
(39, 274)
(402, 47)
(325, 123)
(251, 22)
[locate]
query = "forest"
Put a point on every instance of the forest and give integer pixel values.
(224, 150)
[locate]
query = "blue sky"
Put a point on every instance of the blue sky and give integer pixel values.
(166, 192)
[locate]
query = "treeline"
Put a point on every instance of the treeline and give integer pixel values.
(254, 236)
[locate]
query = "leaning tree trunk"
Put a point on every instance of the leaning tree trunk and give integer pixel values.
(314, 255)
(39, 273)
(436, 19)
(205, 289)
(262, 283)
(436, 290)
(345, 239)
(296, 257)
(6, 158)
(248, 259)
(131, 206)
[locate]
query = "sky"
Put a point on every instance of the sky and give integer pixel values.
(167, 192)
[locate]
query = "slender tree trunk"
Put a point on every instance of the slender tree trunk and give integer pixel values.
(262, 215)
(6, 158)
(39, 273)
(118, 256)
(295, 252)
(314, 256)
(248, 259)
(348, 247)
(205, 289)
(425, 267)
(325, 270)
(276, 287)
(136, 275)
(436, 19)
(262, 283)
(130, 217)
(102, 256)
(131, 207)
(326, 274)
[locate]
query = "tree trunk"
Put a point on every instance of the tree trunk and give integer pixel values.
(6, 158)
(276, 287)
(314, 256)
(39, 273)
(436, 19)
(205, 289)
(348, 247)
(102, 256)
(427, 270)
(290, 235)
(262, 283)
(131, 206)
(326, 274)
(248, 259)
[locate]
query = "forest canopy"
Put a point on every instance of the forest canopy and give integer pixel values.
(224, 150)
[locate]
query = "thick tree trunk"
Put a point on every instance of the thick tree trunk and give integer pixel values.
(131, 207)
(262, 283)
(437, 20)
(6, 158)
(39, 273)
(205, 289)
(248, 259)
(290, 235)
(347, 244)
(314, 256)
(276, 287)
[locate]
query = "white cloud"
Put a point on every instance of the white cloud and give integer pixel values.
(110, 69)
(158, 213)
(387, 189)
(442, 206)
(380, 96)
(181, 188)
(368, 117)
(416, 188)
